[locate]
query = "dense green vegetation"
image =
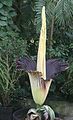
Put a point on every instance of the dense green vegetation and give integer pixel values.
(20, 22)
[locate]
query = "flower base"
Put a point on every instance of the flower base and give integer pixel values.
(21, 115)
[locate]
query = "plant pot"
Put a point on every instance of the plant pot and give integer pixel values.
(6, 113)
(21, 114)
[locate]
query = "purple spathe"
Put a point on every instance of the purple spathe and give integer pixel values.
(53, 66)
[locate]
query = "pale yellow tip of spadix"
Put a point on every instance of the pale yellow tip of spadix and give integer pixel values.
(41, 59)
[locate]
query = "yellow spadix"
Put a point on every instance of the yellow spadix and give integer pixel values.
(39, 85)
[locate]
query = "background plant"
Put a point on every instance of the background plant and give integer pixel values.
(7, 81)
(12, 46)
(10, 37)
(67, 88)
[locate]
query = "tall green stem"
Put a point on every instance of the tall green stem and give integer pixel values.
(38, 106)
(51, 34)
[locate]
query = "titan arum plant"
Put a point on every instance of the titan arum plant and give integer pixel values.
(41, 76)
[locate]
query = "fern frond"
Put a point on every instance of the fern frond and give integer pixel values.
(64, 11)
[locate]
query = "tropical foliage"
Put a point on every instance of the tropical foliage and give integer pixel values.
(7, 81)
(10, 38)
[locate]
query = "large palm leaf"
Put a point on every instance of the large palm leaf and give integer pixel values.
(49, 12)
(62, 10)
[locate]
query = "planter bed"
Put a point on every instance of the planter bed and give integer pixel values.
(6, 113)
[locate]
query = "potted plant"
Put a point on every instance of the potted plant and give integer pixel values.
(7, 86)
(40, 79)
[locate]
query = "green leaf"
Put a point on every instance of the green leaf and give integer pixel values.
(3, 12)
(3, 23)
(1, 5)
(71, 45)
(12, 13)
(10, 22)
(3, 34)
(3, 18)
(7, 2)
(63, 11)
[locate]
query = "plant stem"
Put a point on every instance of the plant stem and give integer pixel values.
(52, 30)
(38, 106)
(51, 34)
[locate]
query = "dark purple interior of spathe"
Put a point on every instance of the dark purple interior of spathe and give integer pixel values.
(26, 64)
(53, 66)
